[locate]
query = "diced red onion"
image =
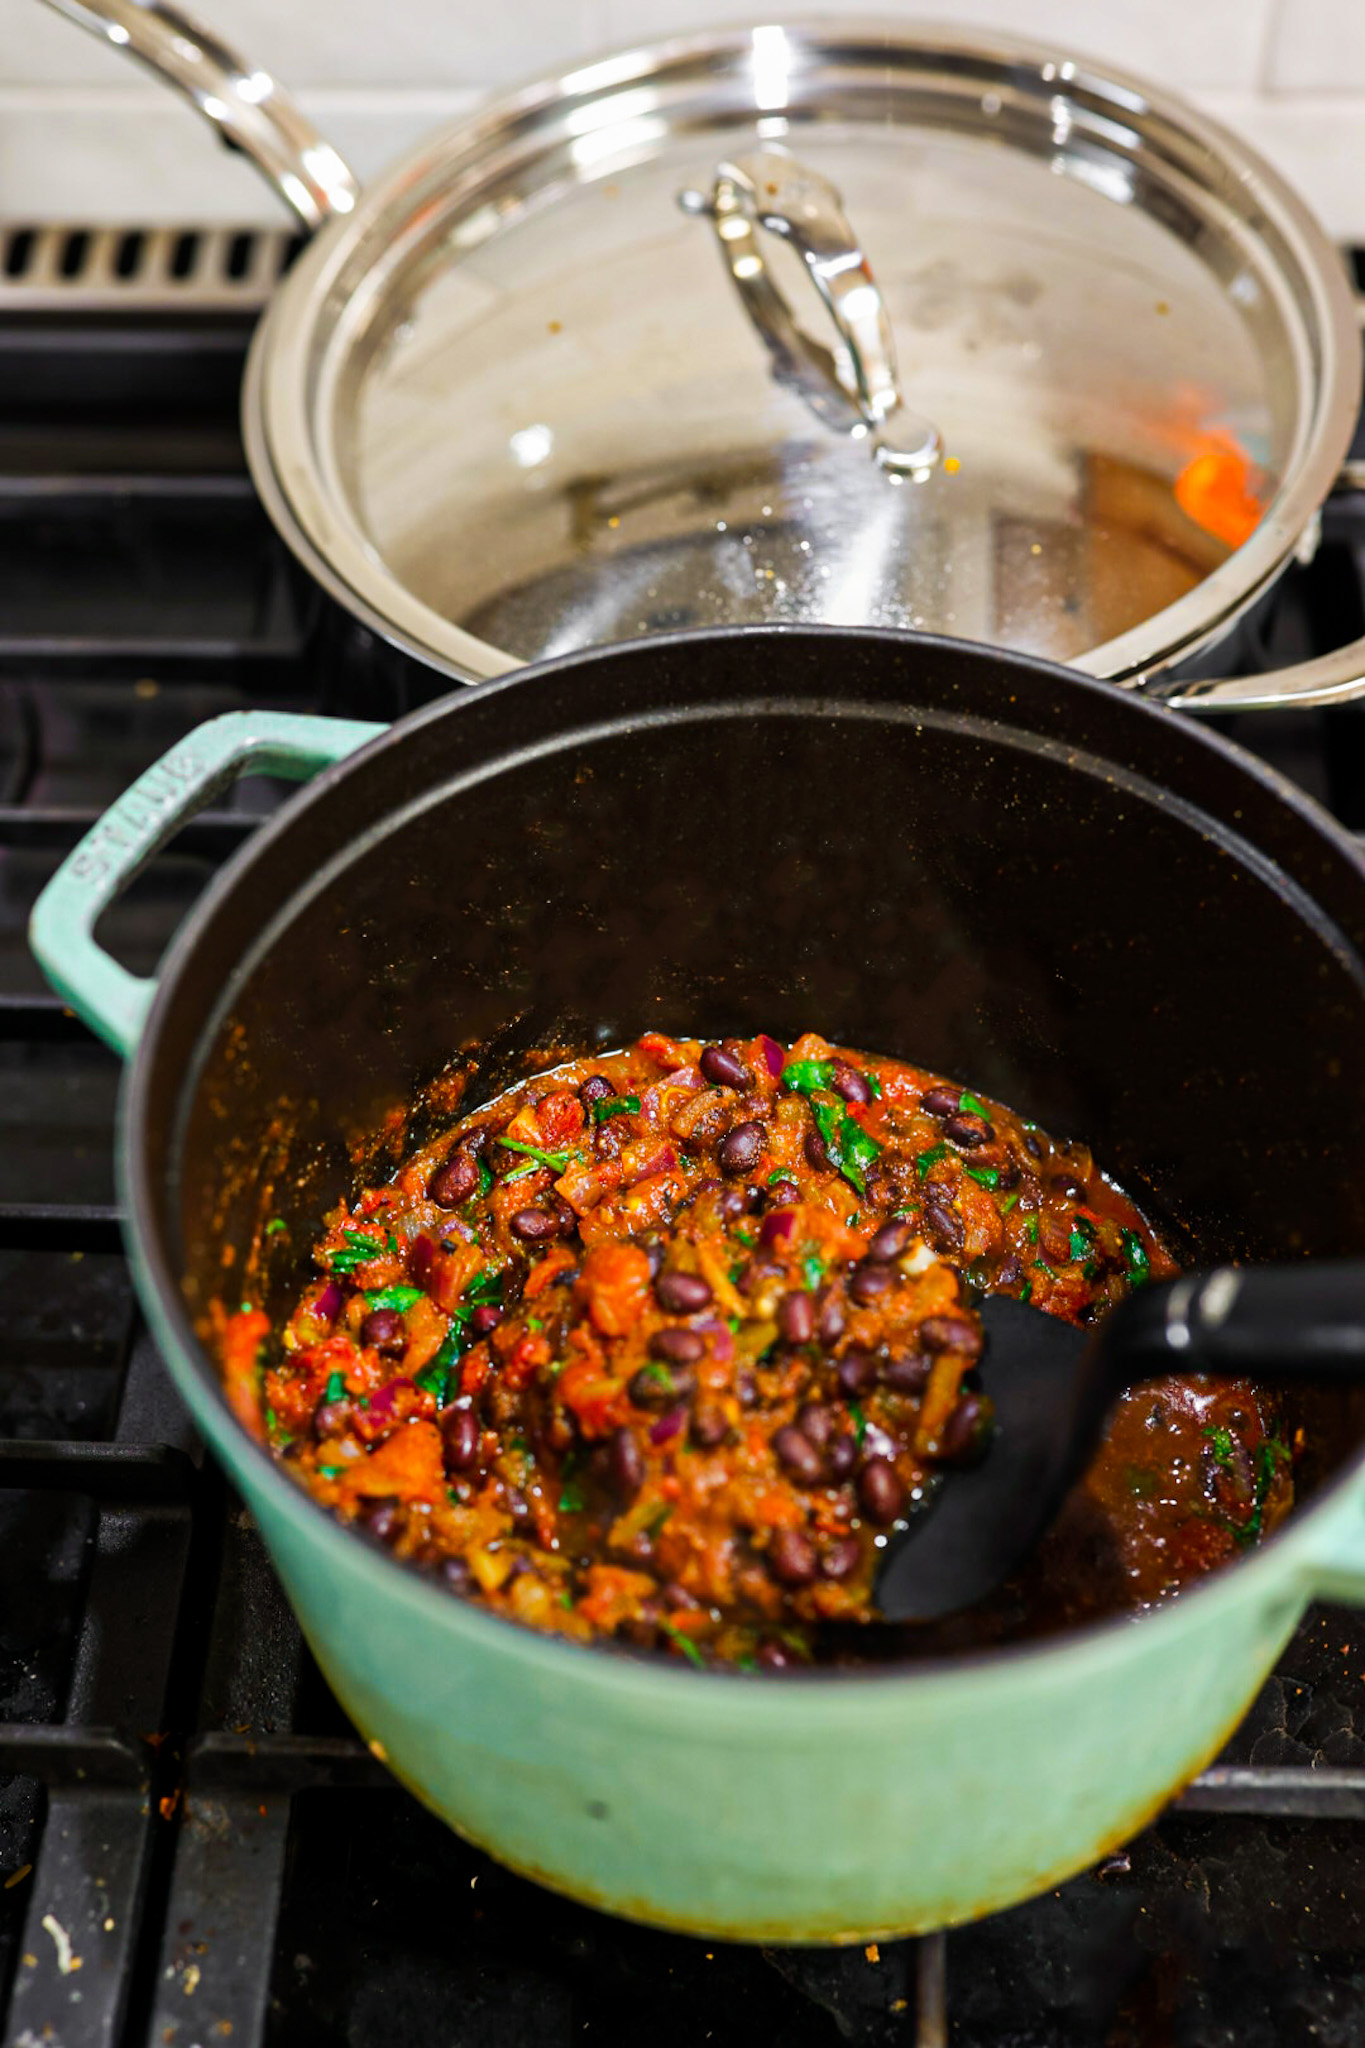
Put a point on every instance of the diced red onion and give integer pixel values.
(661, 1160)
(421, 1259)
(327, 1307)
(777, 1226)
(665, 1428)
(382, 1403)
(721, 1335)
(461, 1229)
(773, 1055)
(686, 1077)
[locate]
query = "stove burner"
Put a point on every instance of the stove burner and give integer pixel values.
(194, 1845)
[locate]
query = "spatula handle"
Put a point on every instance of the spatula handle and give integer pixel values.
(1279, 1323)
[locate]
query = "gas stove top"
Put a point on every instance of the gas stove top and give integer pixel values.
(195, 1848)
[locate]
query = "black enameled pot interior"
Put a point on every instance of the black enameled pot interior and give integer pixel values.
(1085, 905)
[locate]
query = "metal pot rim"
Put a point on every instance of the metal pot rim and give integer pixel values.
(200, 1384)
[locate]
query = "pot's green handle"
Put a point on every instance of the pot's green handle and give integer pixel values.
(1336, 1557)
(61, 931)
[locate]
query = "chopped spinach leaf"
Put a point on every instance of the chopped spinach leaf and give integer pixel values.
(988, 1176)
(393, 1297)
(804, 1076)
(973, 1105)
(557, 1161)
(924, 1160)
(1135, 1258)
(335, 1390)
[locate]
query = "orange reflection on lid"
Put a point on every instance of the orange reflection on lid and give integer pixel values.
(1215, 489)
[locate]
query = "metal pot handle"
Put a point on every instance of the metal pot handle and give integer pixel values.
(852, 387)
(1336, 678)
(104, 995)
(251, 111)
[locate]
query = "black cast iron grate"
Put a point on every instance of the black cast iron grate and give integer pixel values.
(194, 1846)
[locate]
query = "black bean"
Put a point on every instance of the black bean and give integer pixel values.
(454, 1182)
(940, 1101)
(856, 1371)
(869, 1281)
(597, 1088)
(723, 1068)
(841, 1557)
(791, 1558)
(816, 1421)
(782, 1194)
(796, 1317)
(709, 1428)
(677, 1347)
(732, 1203)
(964, 1436)
(880, 1491)
(519, 1508)
(659, 1386)
(832, 1320)
(848, 1082)
(484, 1318)
(1010, 1269)
(796, 1451)
(843, 1456)
(460, 1428)
(969, 1131)
(816, 1151)
(1066, 1183)
(740, 1148)
(333, 1418)
(383, 1519)
(457, 1574)
(891, 1240)
(1031, 1145)
(944, 1224)
(682, 1294)
(532, 1225)
(654, 1253)
(907, 1374)
(625, 1464)
(383, 1329)
(950, 1333)
(746, 1389)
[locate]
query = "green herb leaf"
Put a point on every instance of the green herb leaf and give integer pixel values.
(732, 1323)
(571, 1500)
(435, 1378)
(803, 1076)
(1031, 1230)
(657, 1375)
(746, 1662)
(849, 1147)
(357, 1250)
(1221, 1439)
(874, 1083)
(485, 1177)
(988, 1176)
(1009, 1203)
(522, 1173)
(855, 1409)
(335, 1389)
(812, 1269)
(1082, 1236)
(783, 1173)
(658, 1518)
(1026, 1291)
(275, 1226)
(557, 1161)
(485, 1289)
(393, 1297)
(684, 1643)
(973, 1104)
(331, 1471)
(270, 1417)
(615, 1105)
(924, 1160)
(1136, 1259)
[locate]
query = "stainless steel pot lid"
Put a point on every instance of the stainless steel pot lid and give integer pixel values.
(520, 401)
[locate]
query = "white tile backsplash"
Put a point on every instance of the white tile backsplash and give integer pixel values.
(85, 135)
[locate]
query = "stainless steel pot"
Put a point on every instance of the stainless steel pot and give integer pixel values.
(1091, 367)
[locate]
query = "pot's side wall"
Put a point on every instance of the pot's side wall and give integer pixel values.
(754, 1810)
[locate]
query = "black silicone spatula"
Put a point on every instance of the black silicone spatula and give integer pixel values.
(1053, 1385)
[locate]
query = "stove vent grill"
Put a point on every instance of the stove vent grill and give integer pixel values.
(64, 267)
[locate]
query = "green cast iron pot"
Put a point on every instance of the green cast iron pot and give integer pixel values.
(1088, 906)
